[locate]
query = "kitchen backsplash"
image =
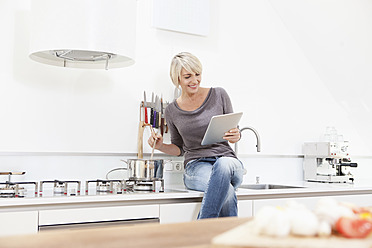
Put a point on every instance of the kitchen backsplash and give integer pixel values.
(79, 167)
(269, 168)
(74, 167)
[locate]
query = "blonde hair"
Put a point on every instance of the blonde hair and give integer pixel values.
(184, 60)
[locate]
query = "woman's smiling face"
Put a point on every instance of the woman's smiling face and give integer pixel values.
(189, 81)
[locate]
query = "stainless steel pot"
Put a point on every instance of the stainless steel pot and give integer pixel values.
(145, 168)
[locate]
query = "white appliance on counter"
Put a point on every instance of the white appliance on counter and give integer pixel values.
(327, 162)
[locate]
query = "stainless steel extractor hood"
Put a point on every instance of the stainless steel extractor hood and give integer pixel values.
(97, 34)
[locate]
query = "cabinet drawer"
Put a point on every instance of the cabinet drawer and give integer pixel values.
(86, 215)
(179, 212)
(245, 208)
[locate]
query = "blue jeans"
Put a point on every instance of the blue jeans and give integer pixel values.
(217, 177)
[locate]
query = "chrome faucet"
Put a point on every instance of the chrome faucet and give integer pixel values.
(257, 136)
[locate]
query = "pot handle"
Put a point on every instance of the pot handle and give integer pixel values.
(116, 169)
(124, 161)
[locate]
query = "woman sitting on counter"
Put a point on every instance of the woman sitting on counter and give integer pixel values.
(213, 169)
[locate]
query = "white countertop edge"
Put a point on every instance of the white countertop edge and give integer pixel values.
(302, 192)
(311, 189)
(43, 201)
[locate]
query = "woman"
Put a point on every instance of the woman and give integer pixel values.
(213, 169)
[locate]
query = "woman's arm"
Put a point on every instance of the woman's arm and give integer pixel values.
(170, 149)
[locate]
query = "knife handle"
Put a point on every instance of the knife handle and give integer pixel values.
(162, 126)
(154, 119)
(157, 119)
(145, 114)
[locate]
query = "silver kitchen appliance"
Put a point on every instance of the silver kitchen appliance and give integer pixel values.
(62, 187)
(15, 189)
(105, 187)
(327, 162)
(145, 185)
(11, 189)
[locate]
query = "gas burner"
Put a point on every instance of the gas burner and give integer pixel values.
(60, 188)
(145, 185)
(13, 189)
(104, 187)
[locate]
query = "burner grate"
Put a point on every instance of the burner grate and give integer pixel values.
(14, 189)
(145, 185)
(106, 186)
(10, 189)
(62, 187)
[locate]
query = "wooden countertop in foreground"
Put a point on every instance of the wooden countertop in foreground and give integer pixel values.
(190, 234)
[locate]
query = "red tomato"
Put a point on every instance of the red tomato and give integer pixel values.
(353, 228)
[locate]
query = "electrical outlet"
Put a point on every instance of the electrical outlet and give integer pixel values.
(168, 167)
(178, 166)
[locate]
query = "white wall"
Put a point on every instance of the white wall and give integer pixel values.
(292, 66)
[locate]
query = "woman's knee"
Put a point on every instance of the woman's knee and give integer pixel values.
(228, 164)
(196, 177)
(195, 183)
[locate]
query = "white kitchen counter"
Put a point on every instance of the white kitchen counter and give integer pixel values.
(35, 203)
(34, 214)
(178, 194)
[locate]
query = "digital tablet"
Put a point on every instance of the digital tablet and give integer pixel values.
(219, 125)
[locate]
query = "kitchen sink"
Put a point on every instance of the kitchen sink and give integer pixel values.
(268, 186)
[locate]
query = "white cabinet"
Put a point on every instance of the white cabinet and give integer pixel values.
(97, 214)
(183, 212)
(245, 208)
(179, 212)
(15, 223)
(310, 202)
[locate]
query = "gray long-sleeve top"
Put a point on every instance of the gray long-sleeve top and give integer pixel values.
(187, 128)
